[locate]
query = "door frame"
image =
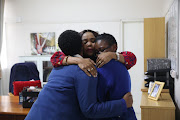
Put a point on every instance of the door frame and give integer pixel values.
(122, 22)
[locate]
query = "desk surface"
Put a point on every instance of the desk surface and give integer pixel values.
(10, 105)
(164, 102)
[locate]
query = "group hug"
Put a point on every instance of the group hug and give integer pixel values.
(89, 81)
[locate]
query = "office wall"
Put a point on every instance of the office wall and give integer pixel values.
(172, 38)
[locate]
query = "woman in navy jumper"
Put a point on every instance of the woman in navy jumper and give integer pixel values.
(70, 94)
(113, 78)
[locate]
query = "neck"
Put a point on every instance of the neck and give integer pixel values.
(77, 55)
(91, 57)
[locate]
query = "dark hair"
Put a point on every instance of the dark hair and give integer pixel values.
(70, 42)
(93, 32)
(108, 38)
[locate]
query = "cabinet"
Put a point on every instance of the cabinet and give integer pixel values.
(154, 39)
(43, 64)
(163, 109)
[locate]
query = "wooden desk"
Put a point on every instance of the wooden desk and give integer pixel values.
(163, 109)
(145, 89)
(10, 109)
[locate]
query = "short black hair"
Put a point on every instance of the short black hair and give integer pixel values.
(108, 38)
(88, 30)
(70, 42)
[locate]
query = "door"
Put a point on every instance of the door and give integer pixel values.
(133, 40)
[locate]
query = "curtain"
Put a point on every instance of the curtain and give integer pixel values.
(1, 22)
(1, 35)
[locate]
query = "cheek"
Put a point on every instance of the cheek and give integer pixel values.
(84, 46)
(93, 45)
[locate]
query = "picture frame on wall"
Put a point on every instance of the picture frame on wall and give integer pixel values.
(43, 43)
(156, 90)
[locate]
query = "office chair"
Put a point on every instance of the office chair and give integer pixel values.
(23, 72)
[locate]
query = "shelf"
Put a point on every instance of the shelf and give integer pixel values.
(43, 64)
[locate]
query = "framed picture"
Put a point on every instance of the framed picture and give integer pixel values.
(43, 43)
(150, 86)
(156, 90)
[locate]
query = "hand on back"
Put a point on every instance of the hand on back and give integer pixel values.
(103, 58)
(88, 66)
(129, 100)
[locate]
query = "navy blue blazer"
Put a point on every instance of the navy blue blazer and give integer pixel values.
(113, 83)
(72, 95)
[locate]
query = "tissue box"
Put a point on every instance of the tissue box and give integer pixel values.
(29, 97)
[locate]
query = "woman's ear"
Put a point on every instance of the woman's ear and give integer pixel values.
(114, 47)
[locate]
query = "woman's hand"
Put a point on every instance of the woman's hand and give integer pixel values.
(105, 57)
(88, 66)
(129, 99)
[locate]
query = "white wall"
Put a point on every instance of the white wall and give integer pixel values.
(63, 11)
(58, 15)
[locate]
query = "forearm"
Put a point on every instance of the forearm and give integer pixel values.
(126, 57)
(57, 59)
(106, 109)
(120, 59)
(68, 60)
(86, 88)
(129, 59)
